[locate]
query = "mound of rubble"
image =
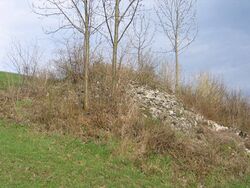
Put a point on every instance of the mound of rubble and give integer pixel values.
(168, 109)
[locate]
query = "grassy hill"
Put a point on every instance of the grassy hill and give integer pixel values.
(7, 79)
(55, 157)
(31, 159)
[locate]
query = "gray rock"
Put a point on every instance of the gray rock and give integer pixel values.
(171, 111)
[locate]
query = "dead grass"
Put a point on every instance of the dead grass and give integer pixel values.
(247, 143)
(211, 98)
(202, 159)
(202, 154)
(55, 106)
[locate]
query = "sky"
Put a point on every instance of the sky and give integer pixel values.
(223, 43)
(222, 46)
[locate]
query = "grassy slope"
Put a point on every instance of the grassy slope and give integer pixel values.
(8, 79)
(30, 159)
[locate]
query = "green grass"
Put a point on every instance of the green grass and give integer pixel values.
(30, 159)
(7, 79)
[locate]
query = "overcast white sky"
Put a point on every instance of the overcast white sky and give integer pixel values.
(19, 23)
(222, 46)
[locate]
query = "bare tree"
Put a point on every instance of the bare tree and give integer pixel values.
(69, 62)
(118, 17)
(78, 15)
(178, 21)
(142, 37)
(25, 60)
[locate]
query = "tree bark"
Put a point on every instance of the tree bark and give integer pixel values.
(115, 45)
(176, 48)
(139, 57)
(177, 76)
(87, 55)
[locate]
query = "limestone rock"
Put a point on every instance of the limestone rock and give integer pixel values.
(169, 109)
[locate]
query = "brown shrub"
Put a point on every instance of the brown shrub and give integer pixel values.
(201, 155)
(57, 110)
(159, 140)
(212, 99)
(247, 143)
(56, 106)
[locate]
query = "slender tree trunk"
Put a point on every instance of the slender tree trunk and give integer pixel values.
(177, 76)
(139, 58)
(176, 51)
(115, 45)
(87, 55)
(176, 48)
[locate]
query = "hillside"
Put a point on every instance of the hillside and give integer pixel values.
(125, 93)
(7, 78)
(31, 159)
(169, 109)
(146, 137)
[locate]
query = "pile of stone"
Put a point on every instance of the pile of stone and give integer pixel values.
(167, 108)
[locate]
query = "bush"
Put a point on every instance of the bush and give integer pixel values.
(211, 98)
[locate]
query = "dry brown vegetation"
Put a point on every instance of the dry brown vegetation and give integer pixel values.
(210, 97)
(52, 102)
(204, 154)
(55, 106)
